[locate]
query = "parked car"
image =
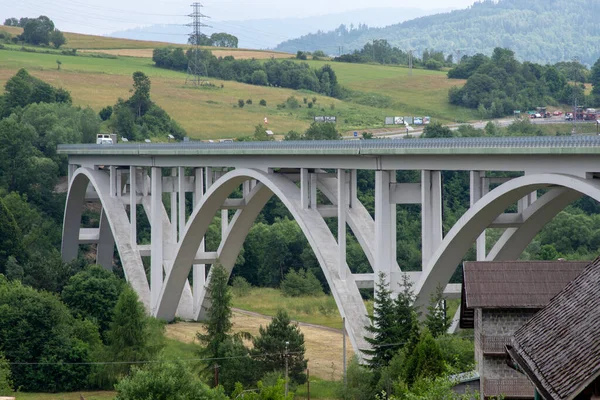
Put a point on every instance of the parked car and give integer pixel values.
(557, 112)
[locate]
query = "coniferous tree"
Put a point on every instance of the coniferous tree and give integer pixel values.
(270, 347)
(425, 360)
(132, 335)
(218, 322)
(382, 326)
(437, 320)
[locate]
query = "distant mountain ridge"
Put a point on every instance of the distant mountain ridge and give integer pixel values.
(544, 31)
(267, 33)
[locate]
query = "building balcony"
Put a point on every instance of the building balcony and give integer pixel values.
(520, 388)
(494, 345)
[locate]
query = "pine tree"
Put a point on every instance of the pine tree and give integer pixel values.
(425, 361)
(437, 319)
(132, 336)
(218, 322)
(270, 347)
(383, 324)
(405, 314)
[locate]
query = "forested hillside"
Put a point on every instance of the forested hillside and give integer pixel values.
(544, 31)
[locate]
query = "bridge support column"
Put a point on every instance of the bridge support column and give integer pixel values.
(342, 194)
(383, 218)
(133, 204)
(431, 214)
(199, 270)
(304, 188)
(113, 180)
(156, 237)
(479, 188)
(353, 188)
(313, 191)
(181, 204)
(174, 206)
(106, 243)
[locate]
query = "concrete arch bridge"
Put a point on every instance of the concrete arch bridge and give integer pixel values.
(122, 176)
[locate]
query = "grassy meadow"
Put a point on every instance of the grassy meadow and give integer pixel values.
(213, 112)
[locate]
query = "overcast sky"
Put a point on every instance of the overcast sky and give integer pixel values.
(103, 17)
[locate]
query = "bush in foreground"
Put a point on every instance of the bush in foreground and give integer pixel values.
(168, 380)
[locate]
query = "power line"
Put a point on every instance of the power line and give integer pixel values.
(194, 73)
(154, 361)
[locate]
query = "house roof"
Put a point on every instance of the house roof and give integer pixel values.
(513, 284)
(559, 348)
(516, 284)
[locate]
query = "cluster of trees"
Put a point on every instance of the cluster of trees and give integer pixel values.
(408, 359)
(38, 31)
(538, 31)
(287, 74)
(138, 117)
(221, 39)
(96, 318)
(380, 51)
(500, 84)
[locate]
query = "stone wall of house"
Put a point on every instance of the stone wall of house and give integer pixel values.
(494, 323)
(504, 322)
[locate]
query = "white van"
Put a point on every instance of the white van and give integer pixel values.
(104, 138)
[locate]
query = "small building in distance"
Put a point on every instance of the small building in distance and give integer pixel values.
(498, 297)
(559, 348)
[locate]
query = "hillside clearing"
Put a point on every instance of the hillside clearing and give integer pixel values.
(323, 346)
(239, 54)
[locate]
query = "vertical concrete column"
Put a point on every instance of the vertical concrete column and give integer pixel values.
(181, 187)
(198, 270)
(383, 245)
(246, 188)
(133, 204)
(393, 233)
(156, 237)
(477, 192)
(71, 171)
(431, 214)
(145, 182)
(174, 206)
(313, 191)
(106, 243)
(224, 222)
(113, 180)
(208, 178)
(353, 188)
(119, 182)
(342, 194)
(304, 188)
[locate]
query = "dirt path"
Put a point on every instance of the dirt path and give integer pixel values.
(323, 345)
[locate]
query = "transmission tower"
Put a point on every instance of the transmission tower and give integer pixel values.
(194, 73)
(410, 62)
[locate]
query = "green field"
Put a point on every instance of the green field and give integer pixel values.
(212, 112)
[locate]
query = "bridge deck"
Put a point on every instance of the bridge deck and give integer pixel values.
(550, 145)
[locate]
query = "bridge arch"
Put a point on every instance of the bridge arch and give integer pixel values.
(565, 189)
(315, 229)
(113, 214)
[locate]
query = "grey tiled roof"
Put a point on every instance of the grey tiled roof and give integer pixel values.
(516, 284)
(559, 348)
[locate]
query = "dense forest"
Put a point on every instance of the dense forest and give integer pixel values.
(543, 31)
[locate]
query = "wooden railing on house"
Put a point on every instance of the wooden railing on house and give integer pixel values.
(520, 388)
(494, 345)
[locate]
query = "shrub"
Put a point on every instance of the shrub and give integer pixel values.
(292, 102)
(263, 102)
(310, 105)
(170, 380)
(240, 286)
(301, 55)
(314, 99)
(241, 103)
(305, 100)
(301, 283)
(105, 113)
(249, 101)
